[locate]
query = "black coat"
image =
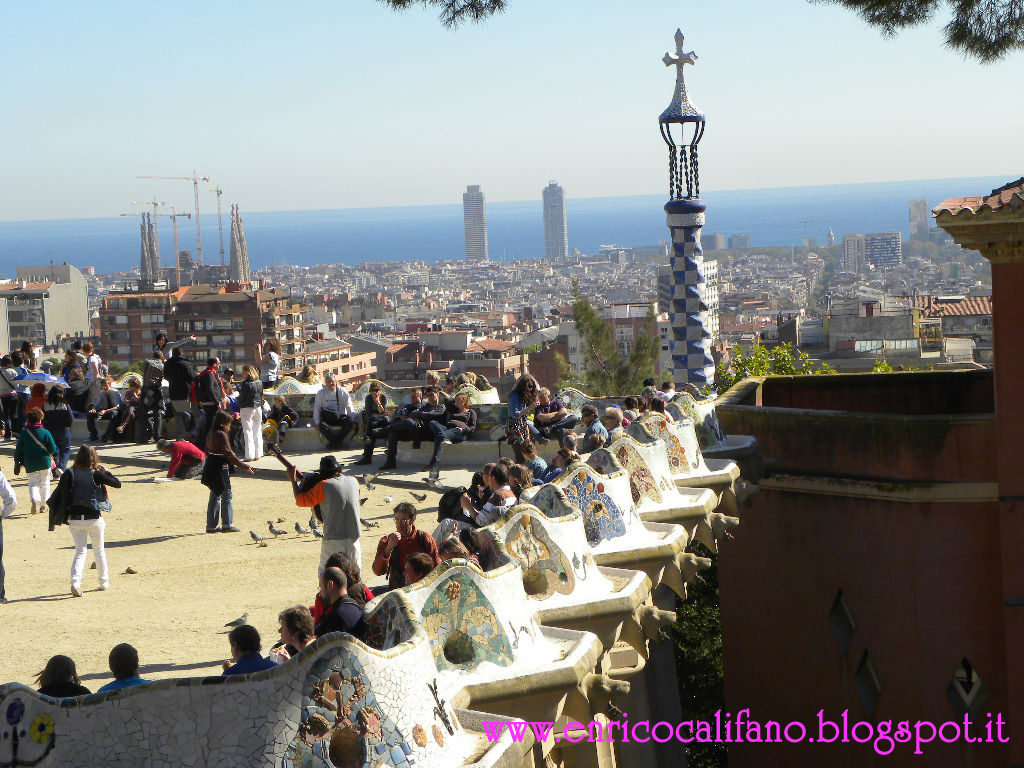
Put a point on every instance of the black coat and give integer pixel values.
(179, 374)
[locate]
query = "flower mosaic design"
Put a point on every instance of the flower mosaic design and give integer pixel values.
(41, 730)
(602, 518)
(641, 482)
(464, 630)
(546, 569)
(657, 425)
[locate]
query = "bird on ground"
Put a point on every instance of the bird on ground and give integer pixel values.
(318, 533)
(419, 496)
(300, 529)
(129, 571)
(368, 523)
(367, 480)
(255, 536)
(243, 619)
(273, 530)
(388, 499)
(433, 482)
(312, 521)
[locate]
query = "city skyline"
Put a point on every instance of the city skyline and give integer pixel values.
(128, 125)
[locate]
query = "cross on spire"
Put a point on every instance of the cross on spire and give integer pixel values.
(680, 109)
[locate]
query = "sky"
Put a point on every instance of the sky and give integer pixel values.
(322, 104)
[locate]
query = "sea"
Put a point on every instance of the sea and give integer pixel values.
(772, 217)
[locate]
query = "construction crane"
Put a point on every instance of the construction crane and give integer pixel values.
(195, 179)
(220, 221)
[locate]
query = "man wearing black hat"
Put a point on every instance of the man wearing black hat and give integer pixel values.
(338, 497)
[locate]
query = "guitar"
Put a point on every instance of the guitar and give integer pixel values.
(290, 467)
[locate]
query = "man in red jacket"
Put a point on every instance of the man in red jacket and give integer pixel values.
(395, 549)
(186, 459)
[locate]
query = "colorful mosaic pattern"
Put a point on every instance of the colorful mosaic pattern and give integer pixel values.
(462, 626)
(26, 736)
(342, 723)
(690, 340)
(602, 518)
(642, 483)
(400, 395)
(546, 570)
(573, 399)
(705, 420)
(390, 623)
(657, 425)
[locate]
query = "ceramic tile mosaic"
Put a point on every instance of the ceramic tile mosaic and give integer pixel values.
(709, 431)
(585, 490)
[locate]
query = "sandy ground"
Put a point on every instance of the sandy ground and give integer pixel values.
(189, 583)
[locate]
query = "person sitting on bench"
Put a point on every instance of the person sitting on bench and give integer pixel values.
(333, 413)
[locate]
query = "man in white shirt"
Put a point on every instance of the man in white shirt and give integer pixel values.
(668, 391)
(333, 413)
(10, 502)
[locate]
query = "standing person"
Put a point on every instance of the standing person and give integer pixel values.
(210, 398)
(270, 362)
(37, 452)
(8, 396)
(23, 391)
(180, 374)
(104, 408)
(152, 410)
(518, 428)
(395, 548)
(338, 498)
(57, 418)
(333, 413)
(10, 502)
(93, 363)
(457, 424)
(80, 500)
(30, 355)
(250, 404)
(217, 476)
(162, 348)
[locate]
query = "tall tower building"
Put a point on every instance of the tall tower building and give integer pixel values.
(920, 220)
(830, 238)
(556, 223)
(474, 213)
(238, 269)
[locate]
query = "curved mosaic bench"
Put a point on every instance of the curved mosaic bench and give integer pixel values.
(686, 466)
(709, 430)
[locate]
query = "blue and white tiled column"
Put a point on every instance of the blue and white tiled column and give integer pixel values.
(692, 362)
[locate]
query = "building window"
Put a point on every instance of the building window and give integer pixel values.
(120, 320)
(152, 318)
(124, 349)
(118, 335)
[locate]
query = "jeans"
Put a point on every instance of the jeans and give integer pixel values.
(441, 432)
(62, 437)
(39, 486)
(336, 427)
(82, 531)
(252, 432)
(21, 409)
(407, 429)
(92, 418)
(9, 404)
(220, 506)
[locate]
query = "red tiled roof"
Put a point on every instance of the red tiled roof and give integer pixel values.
(16, 286)
(967, 305)
(490, 345)
(1009, 195)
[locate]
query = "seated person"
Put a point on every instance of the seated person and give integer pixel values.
(629, 410)
(453, 549)
(533, 462)
(128, 411)
(375, 410)
(612, 421)
(394, 549)
(657, 405)
(343, 614)
(296, 632)
(551, 417)
(283, 416)
(411, 428)
(668, 391)
(59, 679)
(104, 408)
(501, 497)
(458, 423)
(333, 413)
(79, 390)
(124, 663)
(417, 567)
(519, 479)
(562, 459)
(186, 459)
(245, 651)
(596, 435)
(356, 589)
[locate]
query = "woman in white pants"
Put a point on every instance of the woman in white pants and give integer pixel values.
(82, 498)
(36, 451)
(250, 404)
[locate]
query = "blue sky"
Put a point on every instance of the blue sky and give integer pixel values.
(344, 103)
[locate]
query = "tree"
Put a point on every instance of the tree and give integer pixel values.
(782, 360)
(607, 370)
(454, 12)
(984, 29)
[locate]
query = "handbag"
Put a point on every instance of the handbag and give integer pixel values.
(516, 431)
(53, 461)
(104, 505)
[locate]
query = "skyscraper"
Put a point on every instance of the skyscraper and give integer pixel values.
(556, 223)
(920, 219)
(474, 213)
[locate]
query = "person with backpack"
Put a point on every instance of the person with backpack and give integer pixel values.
(80, 500)
(8, 396)
(209, 397)
(394, 549)
(36, 451)
(57, 418)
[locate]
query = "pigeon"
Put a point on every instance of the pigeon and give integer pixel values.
(243, 619)
(129, 571)
(281, 520)
(367, 480)
(388, 499)
(433, 482)
(318, 533)
(255, 536)
(371, 487)
(368, 523)
(273, 530)
(300, 529)
(312, 521)
(419, 496)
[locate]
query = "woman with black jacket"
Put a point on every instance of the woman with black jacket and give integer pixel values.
(57, 419)
(375, 411)
(250, 409)
(79, 501)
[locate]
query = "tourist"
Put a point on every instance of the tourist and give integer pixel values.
(629, 410)
(10, 503)
(595, 435)
(209, 397)
(93, 362)
(612, 420)
(453, 549)
(481, 383)
(534, 463)
(658, 406)
(297, 632)
(250, 403)
(394, 549)
(668, 391)
(163, 349)
(550, 416)
(30, 355)
(649, 395)
(375, 411)
(479, 491)
(357, 590)
(343, 614)
(500, 498)
(411, 426)
(338, 497)
(80, 500)
(417, 567)
(23, 391)
(124, 663)
(37, 452)
(217, 477)
(245, 652)
(57, 418)
(79, 392)
(105, 408)
(333, 413)
(564, 458)
(283, 416)
(518, 428)
(519, 479)
(37, 396)
(478, 546)
(270, 362)
(59, 679)
(151, 410)
(180, 374)
(131, 406)
(186, 459)
(8, 396)
(70, 363)
(458, 423)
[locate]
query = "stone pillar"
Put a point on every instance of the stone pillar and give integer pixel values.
(994, 225)
(692, 362)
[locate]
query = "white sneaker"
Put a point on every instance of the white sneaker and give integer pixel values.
(104, 587)
(445, 441)
(75, 591)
